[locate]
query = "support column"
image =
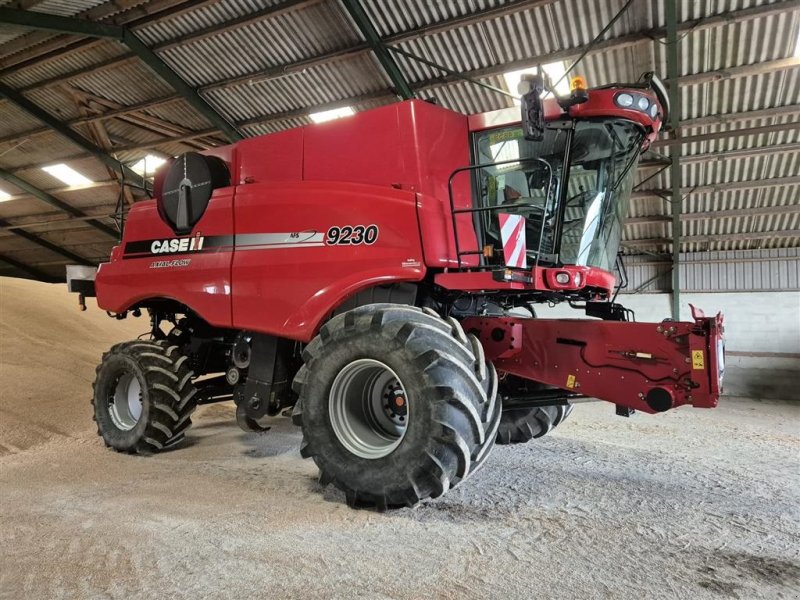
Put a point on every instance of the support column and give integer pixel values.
(674, 151)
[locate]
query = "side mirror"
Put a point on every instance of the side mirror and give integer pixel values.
(531, 88)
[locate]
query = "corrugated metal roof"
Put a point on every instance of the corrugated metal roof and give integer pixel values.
(67, 62)
(202, 46)
(65, 8)
(264, 43)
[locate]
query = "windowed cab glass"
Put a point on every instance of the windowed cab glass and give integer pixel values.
(573, 188)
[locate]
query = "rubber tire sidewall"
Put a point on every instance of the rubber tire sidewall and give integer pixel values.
(114, 367)
(388, 472)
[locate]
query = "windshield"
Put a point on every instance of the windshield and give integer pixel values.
(581, 227)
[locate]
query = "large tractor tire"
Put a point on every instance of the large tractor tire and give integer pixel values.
(522, 425)
(143, 397)
(396, 405)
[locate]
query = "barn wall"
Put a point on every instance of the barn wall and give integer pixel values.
(729, 271)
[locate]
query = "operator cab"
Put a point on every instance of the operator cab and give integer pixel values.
(574, 198)
(550, 190)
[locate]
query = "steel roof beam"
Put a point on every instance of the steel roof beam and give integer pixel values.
(25, 268)
(495, 12)
(40, 241)
(367, 29)
(673, 65)
(53, 201)
(71, 134)
(32, 48)
(74, 26)
(709, 239)
(95, 185)
(58, 24)
(718, 20)
(55, 219)
(761, 211)
(636, 38)
(716, 135)
(724, 155)
(726, 119)
(720, 187)
(277, 117)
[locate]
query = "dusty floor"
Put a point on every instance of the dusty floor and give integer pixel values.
(689, 504)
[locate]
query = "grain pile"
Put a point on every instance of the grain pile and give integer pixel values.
(696, 504)
(48, 354)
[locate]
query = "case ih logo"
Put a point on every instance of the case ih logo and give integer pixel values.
(227, 243)
(183, 245)
(177, 245)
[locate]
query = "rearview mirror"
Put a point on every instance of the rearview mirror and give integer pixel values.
(531, 88)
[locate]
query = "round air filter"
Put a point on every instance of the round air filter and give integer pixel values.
(187, 188)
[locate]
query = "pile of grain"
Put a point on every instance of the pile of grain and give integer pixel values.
(48, 354)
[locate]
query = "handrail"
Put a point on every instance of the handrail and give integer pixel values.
(481, 209)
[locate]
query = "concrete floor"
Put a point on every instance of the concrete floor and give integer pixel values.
(693, 504)
(689, 504)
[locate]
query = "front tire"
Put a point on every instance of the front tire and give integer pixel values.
(518, 426)
(143, 397)
(369, 367)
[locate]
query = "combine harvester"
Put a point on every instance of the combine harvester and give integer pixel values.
(376, 277)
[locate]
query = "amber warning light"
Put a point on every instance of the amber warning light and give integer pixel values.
(577, 83)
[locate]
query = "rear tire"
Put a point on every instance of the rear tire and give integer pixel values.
(143, 397)
(412, 358)
(518, 426)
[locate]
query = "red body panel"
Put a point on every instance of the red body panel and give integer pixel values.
(389, 167)
(204, 284)
(288, 289)
(270, 158)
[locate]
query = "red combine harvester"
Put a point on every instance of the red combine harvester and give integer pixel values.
(377, 278)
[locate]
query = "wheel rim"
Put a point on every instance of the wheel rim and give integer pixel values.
(125, 404)
(368, 408)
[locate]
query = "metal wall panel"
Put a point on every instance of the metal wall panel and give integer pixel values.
(776, 269)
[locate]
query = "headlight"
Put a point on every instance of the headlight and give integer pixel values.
(638, 102)
(562, 277)
(625, 100)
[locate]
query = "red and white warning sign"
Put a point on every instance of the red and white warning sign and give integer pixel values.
(512, 234)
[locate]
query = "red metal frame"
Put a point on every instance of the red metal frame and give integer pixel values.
(588, 279)
(624, 363)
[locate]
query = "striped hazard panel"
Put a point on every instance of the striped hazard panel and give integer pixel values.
(512, 234)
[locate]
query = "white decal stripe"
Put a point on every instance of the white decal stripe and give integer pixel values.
(278, 246)
(509, 226)
(291, 238)
(514, 260)
(513, 238)
(522, 241)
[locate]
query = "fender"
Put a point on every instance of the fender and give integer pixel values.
(307, 321)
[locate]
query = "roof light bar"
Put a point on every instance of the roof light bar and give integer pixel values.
(148, 165)
(330, 115)
(67, 175)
